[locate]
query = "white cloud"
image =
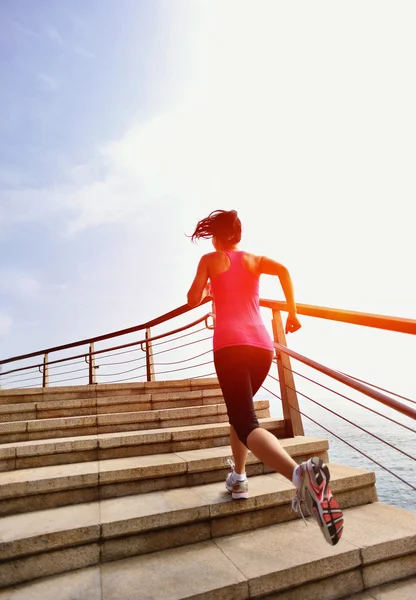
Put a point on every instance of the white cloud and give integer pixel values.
(25, 30)
(47, 82)
(10, 177)
(5, 324)
(17, 283)
(54, 35)
(272, 124)
(84, 53)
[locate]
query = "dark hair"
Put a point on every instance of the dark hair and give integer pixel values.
(223, 224)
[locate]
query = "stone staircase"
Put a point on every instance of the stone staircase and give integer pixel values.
(116, 492)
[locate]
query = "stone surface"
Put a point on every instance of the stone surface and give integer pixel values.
(36, 502)
(389, 570)
(285, 555)
(109, 400)
(13, 427)
(155, 510)
(83, 584)
(45, 479)
(203, 465)
(381, 531)
(399, 590)
(49, 529)
(67, 404)
(154, 465)
(52, 446)
(154, 541)
(7, 452)
(125, 516)
(42, 565)
(330, 588)
(106, 441)
(164, 576)
(61, 423)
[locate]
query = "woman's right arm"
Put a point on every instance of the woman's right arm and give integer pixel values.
(271, 267)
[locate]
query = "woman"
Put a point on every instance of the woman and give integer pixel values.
(243, 353)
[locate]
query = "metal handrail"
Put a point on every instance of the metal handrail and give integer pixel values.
(398, 324)
(334, 314)
(104, 350)
(177, 312)
(360, 387)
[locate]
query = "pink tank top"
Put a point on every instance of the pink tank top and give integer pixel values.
(236, 295)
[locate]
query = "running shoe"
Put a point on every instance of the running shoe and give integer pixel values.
(238, 489)
(314, 497)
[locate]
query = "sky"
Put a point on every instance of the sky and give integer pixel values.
(123, 124)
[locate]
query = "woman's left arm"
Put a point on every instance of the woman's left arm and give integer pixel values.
(200, 287)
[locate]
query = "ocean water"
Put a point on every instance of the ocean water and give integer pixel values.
(390, 490)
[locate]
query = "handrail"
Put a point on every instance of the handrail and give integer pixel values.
(335, 314)
(104, 350)
(177, 312)
(347, 316)
(360, 387)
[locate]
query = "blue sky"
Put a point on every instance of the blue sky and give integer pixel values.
(122, 124)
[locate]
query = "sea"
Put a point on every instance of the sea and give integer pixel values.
(346, 441)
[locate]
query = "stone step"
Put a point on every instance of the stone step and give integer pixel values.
(108, 404)
(58, 485)
(38, 453)
(88, 584)
(79, 392)
(155, 521)
(285, 561)
(19, 431)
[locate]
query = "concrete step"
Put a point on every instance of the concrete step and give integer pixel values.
(41, 453)
(108, 404)
(285, 561)
(19, 431)
(80, 392)
(151, 522)
(58, 485)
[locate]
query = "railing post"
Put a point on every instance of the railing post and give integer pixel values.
(45, 374)
(150, 371)
(291, 415)
(91, 365)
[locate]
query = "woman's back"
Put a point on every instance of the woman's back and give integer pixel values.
(235, 289)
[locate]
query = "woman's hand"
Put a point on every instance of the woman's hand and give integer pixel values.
(292, 324)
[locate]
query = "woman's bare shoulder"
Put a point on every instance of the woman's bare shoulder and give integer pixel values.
(252, 262)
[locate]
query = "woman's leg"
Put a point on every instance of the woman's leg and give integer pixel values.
(233, 373)
(265, 446)
(241, 371)
(239, 451)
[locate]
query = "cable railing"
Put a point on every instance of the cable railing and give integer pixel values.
(124, 362)
(383, 440)
(185, 351)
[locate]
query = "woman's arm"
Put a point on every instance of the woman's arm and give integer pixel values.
(200, 287)
(271, 267)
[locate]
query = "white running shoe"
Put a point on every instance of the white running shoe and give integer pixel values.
(238, 489)
(315, 498)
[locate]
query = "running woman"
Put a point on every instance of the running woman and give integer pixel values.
(243, 354)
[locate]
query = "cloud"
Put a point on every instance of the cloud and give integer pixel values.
(229, 140)
(47, 82)
(84, 53)
(54, 35)
(18, 283)
(25, 30)
(10, 177)
(5, 324)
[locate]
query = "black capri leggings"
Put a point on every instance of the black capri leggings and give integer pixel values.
(241, 371)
